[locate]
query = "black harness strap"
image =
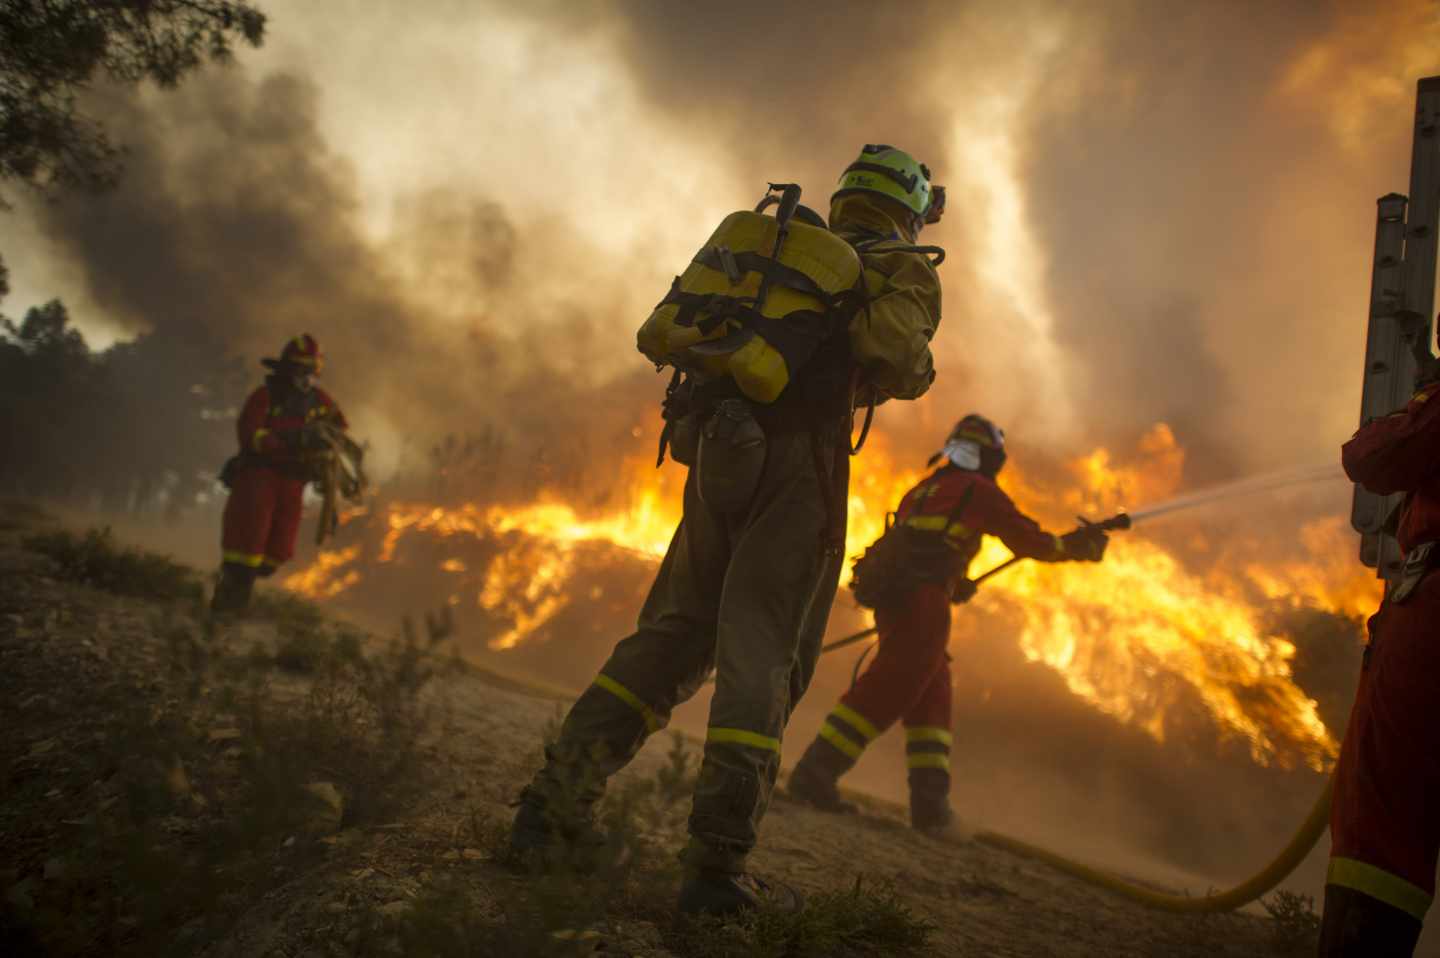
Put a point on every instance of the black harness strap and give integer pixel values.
(753, 262)
(668, 412)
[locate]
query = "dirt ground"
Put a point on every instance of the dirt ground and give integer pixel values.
(72, 657)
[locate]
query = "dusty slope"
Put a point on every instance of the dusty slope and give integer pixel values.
(70, 656)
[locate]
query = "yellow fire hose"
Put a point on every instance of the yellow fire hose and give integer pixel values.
(1228, 900)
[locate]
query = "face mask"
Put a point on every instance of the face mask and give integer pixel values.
(963, 453)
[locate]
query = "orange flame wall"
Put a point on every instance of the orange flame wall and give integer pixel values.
(1133, 635)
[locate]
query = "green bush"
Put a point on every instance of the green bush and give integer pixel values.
(572, 905)
(214, 778)
(95, 560)
(858, 923)
(1297, 926)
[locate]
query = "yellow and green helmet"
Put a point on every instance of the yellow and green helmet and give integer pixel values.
(890, 172)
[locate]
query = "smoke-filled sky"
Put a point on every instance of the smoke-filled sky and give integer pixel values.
(1159, 210)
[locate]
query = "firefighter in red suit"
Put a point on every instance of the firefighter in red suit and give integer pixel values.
(914, 573)
(1385, 817)
(267, 479)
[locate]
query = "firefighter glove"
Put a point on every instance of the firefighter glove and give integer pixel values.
(962, 590)
(1085, 544)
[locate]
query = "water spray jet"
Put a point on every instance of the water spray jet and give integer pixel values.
(1267, 482)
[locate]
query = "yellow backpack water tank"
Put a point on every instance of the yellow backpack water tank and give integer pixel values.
(709, 323)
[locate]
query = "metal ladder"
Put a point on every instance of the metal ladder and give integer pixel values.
(1402, 288)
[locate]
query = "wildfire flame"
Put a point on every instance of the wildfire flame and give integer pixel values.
(1133, 635)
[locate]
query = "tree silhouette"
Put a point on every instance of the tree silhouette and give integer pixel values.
(52, 50)
(141, 426)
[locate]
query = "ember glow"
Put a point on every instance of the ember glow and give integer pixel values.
(1136, 636)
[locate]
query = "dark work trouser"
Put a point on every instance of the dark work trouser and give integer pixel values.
(746, 594)
(1358, 926)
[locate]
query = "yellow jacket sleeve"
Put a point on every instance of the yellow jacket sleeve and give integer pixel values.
(891, 340)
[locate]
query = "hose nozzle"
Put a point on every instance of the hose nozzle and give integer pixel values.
(1116, 523)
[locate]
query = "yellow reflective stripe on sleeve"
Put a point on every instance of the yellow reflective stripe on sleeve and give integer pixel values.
(1378, 883)
(242, 558)
(859, 722)
(924, 733)
(838, 739)
(652, 721)
(258, 438)
(927, 523)
(740, 736)
(1059, 545)
(928, 760)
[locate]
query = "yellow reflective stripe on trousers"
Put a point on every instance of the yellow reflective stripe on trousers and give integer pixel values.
(1378, 883)
(740, 736)
(927, 733)
(928, 760)
(853, 718)
(652, 721)
(242, 558)
(838, 739)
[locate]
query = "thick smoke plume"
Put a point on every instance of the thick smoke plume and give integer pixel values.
(1158, 212)
(238, 226)
(1202, 179)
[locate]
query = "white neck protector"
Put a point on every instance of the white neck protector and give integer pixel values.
(964, 453)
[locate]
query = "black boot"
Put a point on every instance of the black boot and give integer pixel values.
(541, 836)
(930, 810)
(233, 591)
(722, 894)
(816, 778)
(931, 815)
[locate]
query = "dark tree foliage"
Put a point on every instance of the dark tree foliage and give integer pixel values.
(51, 50)
(141, 426)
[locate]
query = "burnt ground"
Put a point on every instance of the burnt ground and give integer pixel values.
(288, 786)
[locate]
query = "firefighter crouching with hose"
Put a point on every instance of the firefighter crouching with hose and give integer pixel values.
(284, 428)
(1385, 815)
(909, 577)
(776, 327)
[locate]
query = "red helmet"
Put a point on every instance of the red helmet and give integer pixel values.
(978, 429)
(302, 351)
(975, 443)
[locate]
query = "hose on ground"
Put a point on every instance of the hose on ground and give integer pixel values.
(1228, 900)
(1262, 882)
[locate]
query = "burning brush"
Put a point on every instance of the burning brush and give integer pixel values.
(964, 592)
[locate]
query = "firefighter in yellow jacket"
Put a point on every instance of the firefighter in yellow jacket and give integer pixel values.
(746, 586)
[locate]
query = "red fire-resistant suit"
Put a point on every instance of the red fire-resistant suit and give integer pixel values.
(262, 515)
(909, 680)
(1385, 819)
